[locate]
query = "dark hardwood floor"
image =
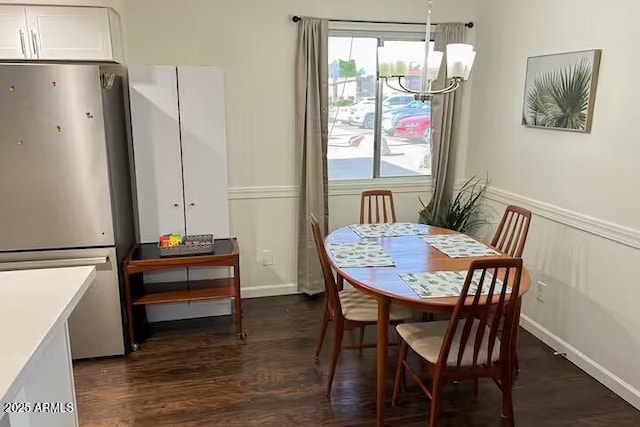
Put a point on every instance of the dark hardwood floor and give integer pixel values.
(198, 373)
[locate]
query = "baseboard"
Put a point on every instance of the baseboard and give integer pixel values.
(584, 362)
(270, 290)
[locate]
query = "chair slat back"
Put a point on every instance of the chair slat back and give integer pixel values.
(330, 286)
(376, 206)
(512, 231)
(477, 318)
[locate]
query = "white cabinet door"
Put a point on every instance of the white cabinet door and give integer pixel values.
(156, 146)
(115, 28)
(204, 158)
(69, 33)
(13, 33)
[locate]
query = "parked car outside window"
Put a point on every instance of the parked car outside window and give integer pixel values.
(344, 112)
(364, 114)
(396, 101)
(390, 119)
(415, 128)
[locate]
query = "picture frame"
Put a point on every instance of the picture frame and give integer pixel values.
(560, 90)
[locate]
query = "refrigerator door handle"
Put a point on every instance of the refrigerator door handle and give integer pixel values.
(53, 263)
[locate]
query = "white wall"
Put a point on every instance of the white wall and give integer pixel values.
(582, 188)
(255, 41)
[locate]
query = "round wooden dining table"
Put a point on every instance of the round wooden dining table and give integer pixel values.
(410, 254)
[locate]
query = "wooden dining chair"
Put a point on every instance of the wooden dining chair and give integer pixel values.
(511, 234)
(377, 206)
(348, 308)
(472, 344)
(510, 237)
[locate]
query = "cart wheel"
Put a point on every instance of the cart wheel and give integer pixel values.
(242, 335)
(135, 346)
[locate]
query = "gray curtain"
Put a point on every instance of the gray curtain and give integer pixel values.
(446, 120)
(312, 119)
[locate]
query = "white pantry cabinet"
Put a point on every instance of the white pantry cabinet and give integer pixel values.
(71, 33)
(179, 143)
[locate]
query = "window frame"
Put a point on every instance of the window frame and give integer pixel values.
(382, 32)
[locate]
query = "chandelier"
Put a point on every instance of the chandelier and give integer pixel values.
(460, 59)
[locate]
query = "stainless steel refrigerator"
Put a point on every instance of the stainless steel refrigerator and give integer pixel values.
(65, 187)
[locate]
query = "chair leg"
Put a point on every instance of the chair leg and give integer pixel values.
(402, 355)
(361, 340)
(427, 317)
(323, 327)
(337, 345)
(435, 403)
(507, 401)
(507, 404)
(516, 334)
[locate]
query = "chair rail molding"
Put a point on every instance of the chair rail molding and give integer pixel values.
(595, 226)
(263, 192)
(336, 188)
(608, 230)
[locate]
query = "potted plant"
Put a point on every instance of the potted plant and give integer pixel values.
(463, 213)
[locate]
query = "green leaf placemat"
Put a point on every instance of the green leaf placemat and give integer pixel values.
(390, 229)
(447, 283)
(459, 245)
(360, 254)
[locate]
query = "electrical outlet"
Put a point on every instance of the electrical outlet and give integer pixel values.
(541, 287)
(267, 257)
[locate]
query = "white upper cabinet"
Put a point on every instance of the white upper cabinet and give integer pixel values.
(13, 33)
(69, 32)
(59, 33)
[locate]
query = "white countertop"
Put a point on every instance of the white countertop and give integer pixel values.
(32, 304)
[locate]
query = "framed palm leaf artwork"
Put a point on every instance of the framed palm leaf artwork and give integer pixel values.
(560, 90)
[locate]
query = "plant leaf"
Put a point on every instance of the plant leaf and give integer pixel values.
(463, 213)
(560, 98)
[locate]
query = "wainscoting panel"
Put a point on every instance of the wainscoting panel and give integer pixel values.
(584, 291)
(264, 218)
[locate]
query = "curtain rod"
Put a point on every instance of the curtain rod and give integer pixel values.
(297, 18)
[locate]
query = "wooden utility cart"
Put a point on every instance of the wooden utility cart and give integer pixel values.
(146, 257)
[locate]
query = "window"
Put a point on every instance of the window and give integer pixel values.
(374, 131)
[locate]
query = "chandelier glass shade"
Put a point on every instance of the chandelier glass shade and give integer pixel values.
(459, 61)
